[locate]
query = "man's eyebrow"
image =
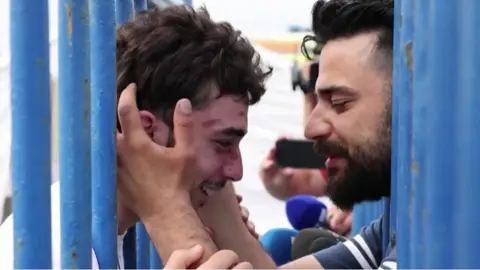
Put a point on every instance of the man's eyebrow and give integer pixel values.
(334, 89)
(232, 132)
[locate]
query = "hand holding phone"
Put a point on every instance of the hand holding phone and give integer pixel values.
(298, 154)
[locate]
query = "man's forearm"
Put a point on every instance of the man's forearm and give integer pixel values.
(230, 231)
(176, 225)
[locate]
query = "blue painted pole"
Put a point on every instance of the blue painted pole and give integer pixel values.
(401, 103)
(389, 225)
(74, 139)
(143, 247)
(365, 213)
(358, 218)
(104, 104)
(441, 174)
(155, 261)
(188, 2)
(31, 129)
(419, 130)
(140, 5)
(467, 223)
(124, 11)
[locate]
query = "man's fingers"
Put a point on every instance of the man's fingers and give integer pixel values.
(287, 172)
(183, 125)
(245, 213)
(129, 116)
(243, 265)
(339, 222)
(268, 169)
(224, 259)
(339, 217)
(209, 231)
(250, 226)
(271, 154)
(184, 258)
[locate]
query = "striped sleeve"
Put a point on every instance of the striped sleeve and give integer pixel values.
(390, 261)
(364, 251)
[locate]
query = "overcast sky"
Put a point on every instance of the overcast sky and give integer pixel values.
(258, 17)
(253, 17)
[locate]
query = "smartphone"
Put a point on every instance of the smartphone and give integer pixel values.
(313, 75)
(298, 154)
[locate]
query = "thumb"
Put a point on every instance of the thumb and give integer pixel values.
(337, 220)
(269, 166)
(183, 124)
(183, 259)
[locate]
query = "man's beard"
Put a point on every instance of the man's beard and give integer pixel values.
(367, 173)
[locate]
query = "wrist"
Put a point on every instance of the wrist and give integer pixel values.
(164, 204)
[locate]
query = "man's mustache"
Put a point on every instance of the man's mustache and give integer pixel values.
(330, 149)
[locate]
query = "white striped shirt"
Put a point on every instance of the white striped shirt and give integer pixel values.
(363, 251)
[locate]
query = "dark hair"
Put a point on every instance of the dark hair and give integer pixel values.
(345, 18)
(173, 52)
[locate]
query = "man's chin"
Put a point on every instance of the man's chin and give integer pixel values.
(335, 175)
(341, 192)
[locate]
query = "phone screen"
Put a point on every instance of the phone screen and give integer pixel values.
(298, 154)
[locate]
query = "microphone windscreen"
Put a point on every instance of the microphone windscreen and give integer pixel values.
(309, 241)
(305, 211)
(321, 244)
(278, 243)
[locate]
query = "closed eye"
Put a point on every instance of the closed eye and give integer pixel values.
(224, 143)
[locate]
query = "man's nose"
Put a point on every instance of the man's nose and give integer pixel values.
(233, 170)
(317, 125)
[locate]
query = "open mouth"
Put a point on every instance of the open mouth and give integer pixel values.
(208, 188)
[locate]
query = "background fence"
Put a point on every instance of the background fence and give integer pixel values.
(436, 119)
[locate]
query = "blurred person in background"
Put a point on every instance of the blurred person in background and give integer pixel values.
(284, 183)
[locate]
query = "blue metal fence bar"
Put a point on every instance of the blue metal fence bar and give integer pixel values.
(358, 220)
(365, 213)
(104, 104)
(441, 175)
(74, 139)
(467, 231)
(124, 11)
(31, 153)
(419, 130)
(401, 102)
(143, 247)
(155, 262)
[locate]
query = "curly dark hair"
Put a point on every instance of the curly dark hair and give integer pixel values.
(170, 53)
(345, 18)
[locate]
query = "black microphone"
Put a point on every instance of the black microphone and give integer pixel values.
(309, 241)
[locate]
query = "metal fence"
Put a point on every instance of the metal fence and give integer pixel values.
(87, 109)
(436, 117)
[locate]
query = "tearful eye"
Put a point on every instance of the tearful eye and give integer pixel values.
(338, 102)
(339, 105)
(224, 143)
